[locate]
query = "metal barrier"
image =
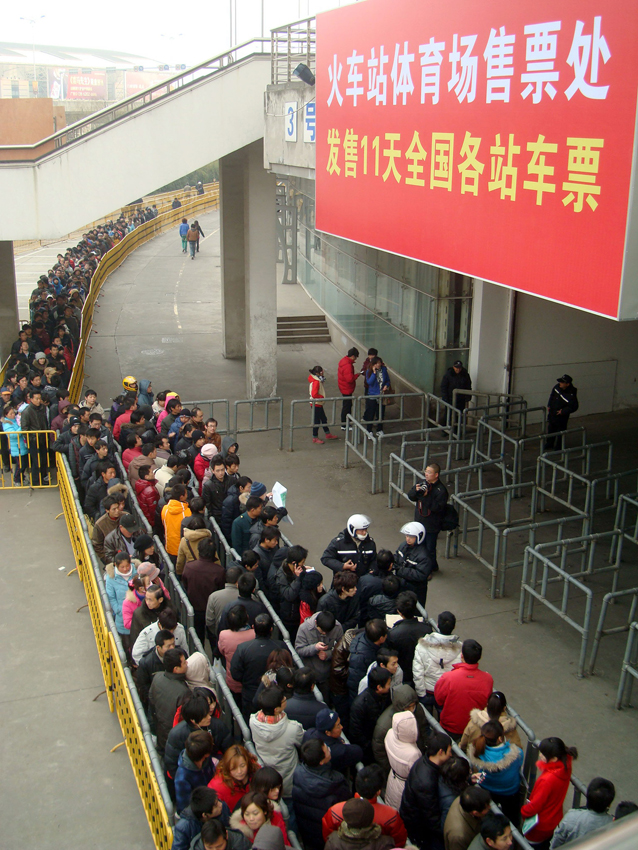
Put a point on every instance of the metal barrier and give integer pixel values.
(208, 409)
(601, 631)
(309, 405)
(442, 415)
(629, 670)
(359, 440)
(265, 404)
(185, 612)
(530, 593)
(28, 460)
(512, 416)
(290, 45)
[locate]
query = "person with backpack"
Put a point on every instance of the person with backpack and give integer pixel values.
(192, 237)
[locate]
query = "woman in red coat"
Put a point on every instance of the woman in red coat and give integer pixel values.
(549, 791)
(146, 493)
(233, 775)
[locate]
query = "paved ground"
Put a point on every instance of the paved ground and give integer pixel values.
(159, 318)
(60, 786)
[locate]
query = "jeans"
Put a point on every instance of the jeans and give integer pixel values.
(184, 244)
(346, 407)
(430, 545)
(192, 246)
(372, 411)
(320, 418)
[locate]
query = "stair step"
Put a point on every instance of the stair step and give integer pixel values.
(304, 332)
(296, 320)
(301, 340)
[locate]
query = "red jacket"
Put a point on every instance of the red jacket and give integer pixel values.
(316, 389)
(148, 497)
(388, 819)
(200, 466)
(346, 378)
(128, 455)
(547, 798)
(125, 417)
(465, 687)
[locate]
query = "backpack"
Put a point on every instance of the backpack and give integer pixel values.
(450, 518)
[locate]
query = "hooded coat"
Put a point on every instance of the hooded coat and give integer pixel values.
(402, 752)
(479, 718)
(367, 838)
(502, 766)
(116, 590)
(314, 791)
(172, 515)
(547, 798)
(144, 396)
(434, 655)
(276, 745)
(188, 549)
(402, 697)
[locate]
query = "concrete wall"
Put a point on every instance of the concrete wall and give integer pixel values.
(280, 155)
(128, 160)
(489, 338)
(24, 121)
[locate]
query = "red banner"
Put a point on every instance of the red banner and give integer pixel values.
(487, 137)
(89, 85)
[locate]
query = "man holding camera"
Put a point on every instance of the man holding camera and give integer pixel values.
(431, 498)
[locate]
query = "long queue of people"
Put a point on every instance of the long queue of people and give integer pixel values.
(376, 664)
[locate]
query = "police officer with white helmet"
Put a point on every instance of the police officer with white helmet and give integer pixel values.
(352, 549)
(412, 563)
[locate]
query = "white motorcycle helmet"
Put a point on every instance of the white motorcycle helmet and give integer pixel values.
(414, 529)
(358, 522)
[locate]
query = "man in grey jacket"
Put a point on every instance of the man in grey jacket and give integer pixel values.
(167, 688)
(316, 638)
(578, 822)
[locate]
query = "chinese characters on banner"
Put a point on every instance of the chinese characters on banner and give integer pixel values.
(89, 86)
(489, 137)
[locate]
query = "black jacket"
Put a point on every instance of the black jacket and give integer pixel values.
(369, 585)
(304, 708)
(414, 566)
(362, 653)
(430, 505)
(346, 610)
(230, 510)
(451, 381)
(404, 637)
(167, 689)
(252, 606)
(289, 593)
(34, 419)
(343, 548)
(365, 710)
(94, 495)
(314, 791)
(150, 663)
(213, 494)
(143, 617)
(420, 807)
(176, 741)
(343, 755)
(249, 664)
(562, 403)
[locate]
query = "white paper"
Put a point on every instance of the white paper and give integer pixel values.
(279, 498)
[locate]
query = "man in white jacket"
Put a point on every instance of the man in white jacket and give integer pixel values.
(434, 655)
(276, 736)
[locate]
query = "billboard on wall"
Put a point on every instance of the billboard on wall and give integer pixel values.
(86, 85)
(137, 81)
(488, 137)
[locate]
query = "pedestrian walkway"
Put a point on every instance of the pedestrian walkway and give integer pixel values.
(60, 785)
(159, 318)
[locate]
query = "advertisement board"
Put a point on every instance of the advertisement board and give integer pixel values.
(86, 85)
(488, 137)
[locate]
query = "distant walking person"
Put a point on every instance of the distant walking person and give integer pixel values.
(200, 232)
(183, 231)
(192, 237)
(347, 383)
(563, 400)
(456, 378)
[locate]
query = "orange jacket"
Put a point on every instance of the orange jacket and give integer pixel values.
(172, 515)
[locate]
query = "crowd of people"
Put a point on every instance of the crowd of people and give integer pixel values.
(359, 768)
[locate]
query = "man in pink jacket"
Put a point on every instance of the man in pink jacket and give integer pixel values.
(347, 383)
(465, 687)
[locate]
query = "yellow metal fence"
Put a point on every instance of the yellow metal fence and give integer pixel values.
(27, 460)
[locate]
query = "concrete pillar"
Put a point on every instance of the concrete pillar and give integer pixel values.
(8, 301)
(490, 336)
(231, 189)
(261, 285)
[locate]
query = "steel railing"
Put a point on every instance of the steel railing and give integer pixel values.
(291, 45)
(363, 444)
(208, 409)
(601, 631)
(261, 405)
(28, 460)
(629, 669)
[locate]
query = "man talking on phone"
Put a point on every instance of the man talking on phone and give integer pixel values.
(431, 498)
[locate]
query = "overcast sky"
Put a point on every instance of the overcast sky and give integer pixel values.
(166, 30)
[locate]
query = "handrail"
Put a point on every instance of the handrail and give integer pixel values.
(145, 96)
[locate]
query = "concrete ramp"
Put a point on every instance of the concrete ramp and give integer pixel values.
(136, 152)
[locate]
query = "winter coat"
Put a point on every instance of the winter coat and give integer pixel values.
(430, 506)
(277, 820)
(144, 397)
(17, 445)
(240, 533)
(420, 807)
(231, 508)
(502, 766)
(460, 828)
(403, 637)
(364, 713)
(252, 606)
(93, 499)
(562, 403)
(143, 617)
(177, 736)
(304, 709)
(116, 590)
(385, 816)
(368, 838)
(150, 664)
(188, 776)
(371, 584)
(414, 566)
(129, 607)
(547, 798)
(342, 755)
(434, 655)
(289, 592)
(479, 718)
(395, 682)
(164, 696)
(101, 530)
(276, 745)
(307, 637)
(115, 542)
(249, 664)
(172, 515)
(402, 752)
(402, 697)
(314, 791)
(234, 840)
(145, 640)
(227, 644)
(465, 687)
(376, 382)
(217, 601)
(200, 579)
(188, 827)
(346, 610)
(129, 455)
(340, 664)
(34, 418)
(451, 381)
(230, 796)
(316, 390)
(344, 548)
(576, 823)
(188, 549)
(346, 378)
(362, 653)
(213, 493)
(147, 498)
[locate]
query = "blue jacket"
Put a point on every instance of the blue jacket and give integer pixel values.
(183, 229)
(343, 755)
(374, 388)
(144, 397)
(188, 827)
(314, 791)
(362, 653)
(116, 588)
(9, 425)
(189, 776)
(502, 766)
